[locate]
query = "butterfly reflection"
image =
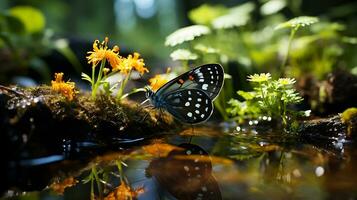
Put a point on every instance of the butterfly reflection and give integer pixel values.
(186, 173)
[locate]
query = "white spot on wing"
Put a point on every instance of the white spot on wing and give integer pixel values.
(187, 104)
(189, 114)
(197, 105)
(205, 86)
(199, 99)
(197, 111)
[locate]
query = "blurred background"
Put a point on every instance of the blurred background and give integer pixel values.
(38, 37)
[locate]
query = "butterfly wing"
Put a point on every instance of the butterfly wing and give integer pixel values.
(189, 105)
(208, 78)
(186, 173)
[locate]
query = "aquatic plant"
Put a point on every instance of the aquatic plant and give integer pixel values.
(294, 24)
(268, 98)
(99, 176)
(67, 89)
(118, 64)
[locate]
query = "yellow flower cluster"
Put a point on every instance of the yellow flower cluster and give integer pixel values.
(263, 77)
(159, 80)
(286, 81)
(66, 88)
(117, 63)
(123, 192)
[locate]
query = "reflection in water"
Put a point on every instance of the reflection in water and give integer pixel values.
(240, 166)
(186, 173)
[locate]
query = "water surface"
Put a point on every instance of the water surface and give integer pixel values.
(208, 163)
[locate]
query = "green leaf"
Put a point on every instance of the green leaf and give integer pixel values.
(12, 24)
(272, 7)
(86, 77)
(186, 34)
(183, 54)
(205, 14)
(87, 178)
(237, 16)
(247, 95)
(32, 18)
(298, 22)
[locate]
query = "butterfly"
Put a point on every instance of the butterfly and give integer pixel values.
(186, 173)
(189, 96)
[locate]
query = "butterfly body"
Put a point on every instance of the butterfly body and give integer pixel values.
(189, 96)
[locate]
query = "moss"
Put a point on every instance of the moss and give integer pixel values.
(348, 114)
(104, 118)
(349, 117)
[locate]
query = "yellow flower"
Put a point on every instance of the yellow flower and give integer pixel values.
(263, 77)
(59, 187)
(159, 149)
(157, 81)
(113, 57)
(132, 61)
(286, 81)
(124, 192)
(101, 52)
(138, 63)
(124, 67)
(98, 54)
(67, 89)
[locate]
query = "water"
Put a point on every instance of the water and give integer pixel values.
(208, 164)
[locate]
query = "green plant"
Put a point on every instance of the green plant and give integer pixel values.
(294, 25)
(268, 98)
(231, 36)
(118, 65)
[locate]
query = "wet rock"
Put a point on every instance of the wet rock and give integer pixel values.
(333, 95)
(329, 128)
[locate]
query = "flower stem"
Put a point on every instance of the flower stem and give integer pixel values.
(283, 64)
(133, 92)
(122, 86)
(99, 78)
(92, 196)
(96, 177)
(120, 169)
(93, 76)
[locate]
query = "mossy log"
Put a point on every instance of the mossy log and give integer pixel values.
(333, 127)
(41, 120)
